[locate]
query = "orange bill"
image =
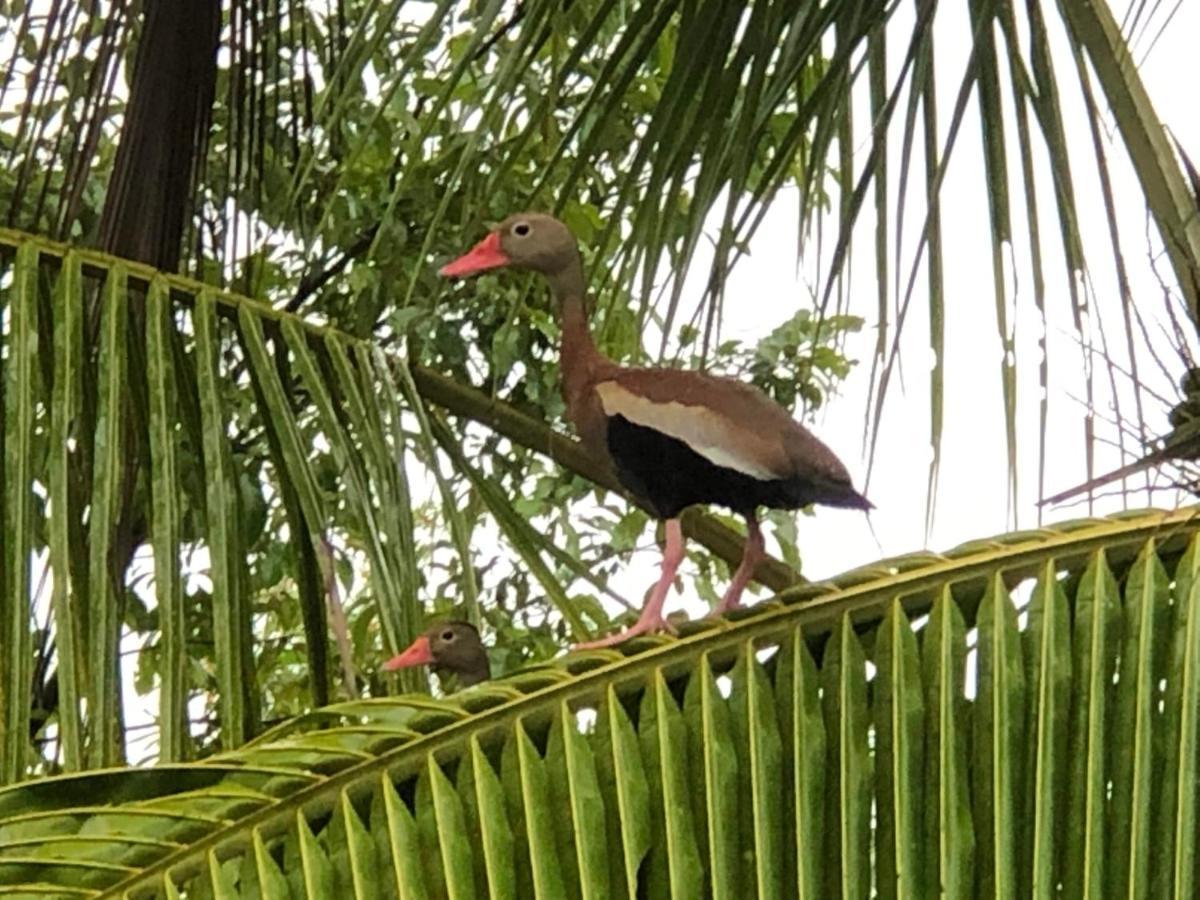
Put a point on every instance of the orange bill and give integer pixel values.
(419, 653)
(487, 254)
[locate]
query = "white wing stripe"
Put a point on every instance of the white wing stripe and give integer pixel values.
(697, 426)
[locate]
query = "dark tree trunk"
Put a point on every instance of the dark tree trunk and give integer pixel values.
(149, 199)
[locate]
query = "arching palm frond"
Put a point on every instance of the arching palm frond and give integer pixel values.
(928, 723)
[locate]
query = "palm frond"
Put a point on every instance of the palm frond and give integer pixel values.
(178, 399)
(967, 698)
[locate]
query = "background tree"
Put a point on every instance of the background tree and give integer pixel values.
(227, 469)
(319, 162)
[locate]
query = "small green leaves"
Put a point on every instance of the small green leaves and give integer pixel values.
(948, 829)
(1094, 663)
(18, 405)
(999, 720)
(165, 520)
(899, 715)
(848, 803)
(108, 460)
(802, 731)
(221, 506)
(583, 848)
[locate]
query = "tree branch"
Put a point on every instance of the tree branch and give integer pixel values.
(311, 283)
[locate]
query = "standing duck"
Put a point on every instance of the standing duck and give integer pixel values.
(447, 646)
(674, 438)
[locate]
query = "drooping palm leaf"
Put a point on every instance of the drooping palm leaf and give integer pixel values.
(312, 386)
(742, 759)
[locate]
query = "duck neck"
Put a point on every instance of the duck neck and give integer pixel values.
(478, 670)
(577, 352)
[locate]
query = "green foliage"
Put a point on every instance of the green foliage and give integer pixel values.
(337, 170)
(267, 463)
(352, 147)
(799, 362)
(834, 742)
(244, 484)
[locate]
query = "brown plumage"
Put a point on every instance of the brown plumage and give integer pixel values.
(674, 438)
(447, 646)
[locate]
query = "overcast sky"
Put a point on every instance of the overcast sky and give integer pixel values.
(766, 288)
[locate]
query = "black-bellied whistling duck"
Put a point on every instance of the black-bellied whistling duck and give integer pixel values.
(447, 646)
(674, 438)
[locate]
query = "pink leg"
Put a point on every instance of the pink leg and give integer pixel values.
(651, 618)
(751, 557)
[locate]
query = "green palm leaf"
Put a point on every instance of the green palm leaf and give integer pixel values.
(176, 401)
(692, 765)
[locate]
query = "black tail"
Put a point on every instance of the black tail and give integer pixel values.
(804, 491)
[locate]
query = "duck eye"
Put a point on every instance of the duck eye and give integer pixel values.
(521, 229)
(447, 635)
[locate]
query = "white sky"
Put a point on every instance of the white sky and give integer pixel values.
(973, 484)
